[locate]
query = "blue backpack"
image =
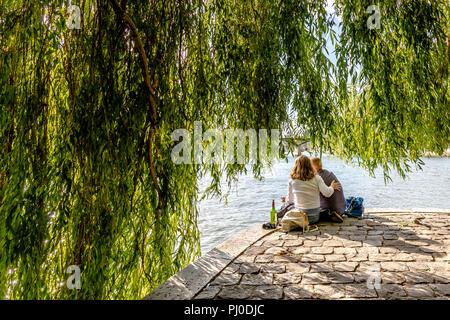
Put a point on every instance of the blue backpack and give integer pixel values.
(354, 207)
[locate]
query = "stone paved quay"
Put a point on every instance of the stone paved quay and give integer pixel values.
(406, 253)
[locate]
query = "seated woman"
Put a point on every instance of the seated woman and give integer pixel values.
(305, 186)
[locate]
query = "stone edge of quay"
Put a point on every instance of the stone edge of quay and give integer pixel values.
(185, 284)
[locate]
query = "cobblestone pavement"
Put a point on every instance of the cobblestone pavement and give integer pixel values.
(384, 256)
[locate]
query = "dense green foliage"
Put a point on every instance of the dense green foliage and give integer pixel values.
(86, 117)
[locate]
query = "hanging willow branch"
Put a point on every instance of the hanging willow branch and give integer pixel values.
(151, 94)
(73, 186)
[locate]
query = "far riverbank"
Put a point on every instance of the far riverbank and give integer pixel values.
(446, 154)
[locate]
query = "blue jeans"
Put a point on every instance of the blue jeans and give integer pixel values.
(313, 215)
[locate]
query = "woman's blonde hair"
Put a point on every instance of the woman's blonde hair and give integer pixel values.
(302, 169)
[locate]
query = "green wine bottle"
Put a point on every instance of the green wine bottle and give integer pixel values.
(273, 214)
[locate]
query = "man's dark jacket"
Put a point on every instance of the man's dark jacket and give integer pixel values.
(337, 201)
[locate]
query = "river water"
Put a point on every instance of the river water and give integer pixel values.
(250, 201)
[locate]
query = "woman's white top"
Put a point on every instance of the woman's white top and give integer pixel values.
(305, 194)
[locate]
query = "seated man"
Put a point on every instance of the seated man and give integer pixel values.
(332, 208)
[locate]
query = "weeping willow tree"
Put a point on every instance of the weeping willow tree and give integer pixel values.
(86, 176)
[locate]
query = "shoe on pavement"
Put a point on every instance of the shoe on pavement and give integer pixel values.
(336, 217)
